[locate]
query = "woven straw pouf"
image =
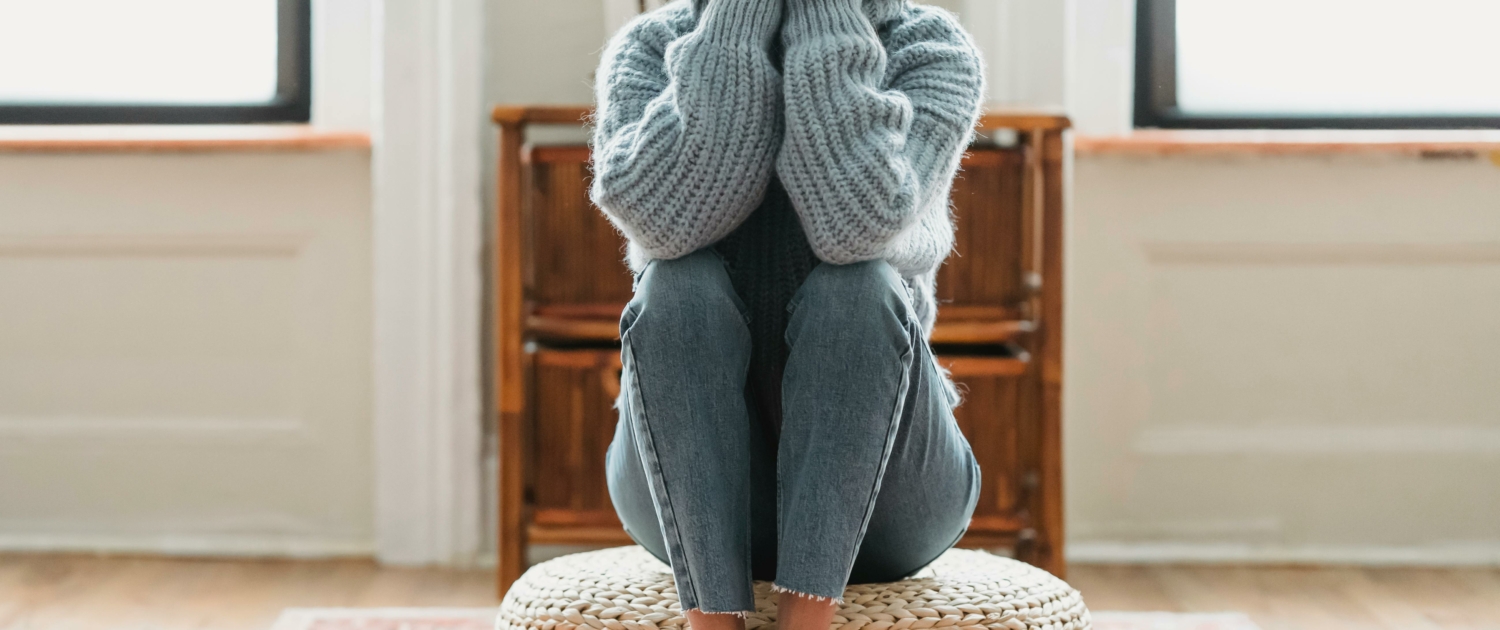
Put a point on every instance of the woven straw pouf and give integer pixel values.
(625, 588)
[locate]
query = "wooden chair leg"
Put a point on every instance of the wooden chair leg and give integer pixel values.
(1052, 541)
(509, 359)
(512, 538)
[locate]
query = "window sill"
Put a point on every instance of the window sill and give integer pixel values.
(1163, 142)
(175, 138)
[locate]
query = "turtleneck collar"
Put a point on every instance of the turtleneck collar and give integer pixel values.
(879, 11)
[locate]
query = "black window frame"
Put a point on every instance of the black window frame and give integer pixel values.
(292, 103)
(1156, 90)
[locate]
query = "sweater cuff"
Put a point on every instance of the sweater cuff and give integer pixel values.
(740, 22)
(811, 19)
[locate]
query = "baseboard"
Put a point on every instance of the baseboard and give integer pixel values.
(202, 545)
(1479, 554)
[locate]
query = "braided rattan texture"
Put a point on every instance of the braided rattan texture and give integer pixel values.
(625, 588)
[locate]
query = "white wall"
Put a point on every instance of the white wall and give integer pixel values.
(1284, 359)
(1025, 44)
(1101, 65)
(1276, 358)
(543, 52)
(184, 352)
(343, 51)
(185, 338)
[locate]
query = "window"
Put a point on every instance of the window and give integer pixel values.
(1317, 63)
(154, 61)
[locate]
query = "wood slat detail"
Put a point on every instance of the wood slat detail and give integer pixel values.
(991, 417)
(573, 329)
(575, 392)
(976, 332)
(975, 539)
(558, 153)
(607, 329)
(1016, 118)
(563, 535)
(577, 256)
(541, 114)
(552, 517)
(955, 313)
(588, 310)
(966, 366)
(1008, 524)
(985, 270)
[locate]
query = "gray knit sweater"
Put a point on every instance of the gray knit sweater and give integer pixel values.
(852, 113)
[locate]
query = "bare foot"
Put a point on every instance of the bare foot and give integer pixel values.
(800, 612)
(698, 620)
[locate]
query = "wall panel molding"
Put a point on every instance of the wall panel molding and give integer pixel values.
(185, 353)
(1189, 253)
(1316, 441)
(92, 429)
(205, 245)
(1283, 360)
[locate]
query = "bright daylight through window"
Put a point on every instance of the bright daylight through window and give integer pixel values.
(152, 60)
(1437, 60)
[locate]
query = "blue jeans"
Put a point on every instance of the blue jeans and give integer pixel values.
(869, 479)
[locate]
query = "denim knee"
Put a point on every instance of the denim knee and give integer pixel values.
(866, 292)
(693, 288)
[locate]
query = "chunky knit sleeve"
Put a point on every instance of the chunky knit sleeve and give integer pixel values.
(875, 129)
(688, 123)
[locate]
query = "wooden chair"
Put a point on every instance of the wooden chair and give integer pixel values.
(560, 285)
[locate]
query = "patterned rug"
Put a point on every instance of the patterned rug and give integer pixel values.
(484, 619)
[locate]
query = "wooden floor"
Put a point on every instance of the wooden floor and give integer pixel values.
(1303, 598)
(58, 592)
(50, 592)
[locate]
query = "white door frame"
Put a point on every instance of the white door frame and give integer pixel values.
(428, 130)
